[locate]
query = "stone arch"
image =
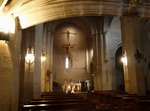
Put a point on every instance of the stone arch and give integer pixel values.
(36, 12)
(119, 70)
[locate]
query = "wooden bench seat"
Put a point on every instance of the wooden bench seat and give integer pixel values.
(143, 104)
(43, 96)
(46, 94)
(103, 98)
(129, 102)
(56, 101)
(116, 101)
(58, 98)
(71, 110)
(59, 102)
(58, 106)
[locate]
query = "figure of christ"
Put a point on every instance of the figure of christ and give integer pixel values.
(68, 35)
(68, 49)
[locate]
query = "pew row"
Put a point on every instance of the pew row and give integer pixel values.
(114, 101)
(59, 106)
(59, 102)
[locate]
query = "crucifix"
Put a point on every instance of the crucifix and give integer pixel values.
(68, 49)
(68, 35)
(69, 60)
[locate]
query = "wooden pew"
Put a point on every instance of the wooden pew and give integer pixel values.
(104, 98)
(123, 103)
(59, 102)
(52, 94)
(58, 98)
(120, 101)
(58, 106)
(129, 103)
(71, 110)
(143, 104)
(59, 95)
(93, 96)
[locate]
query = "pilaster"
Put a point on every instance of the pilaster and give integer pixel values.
(97, 63)
(37, 66)
(18, 70)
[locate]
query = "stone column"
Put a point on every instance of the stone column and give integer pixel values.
(18, 69)
(97, 62)
(37, 62)
(43, 63)
(49, 60)
(131, 44)
(47, 76)
(104, 61)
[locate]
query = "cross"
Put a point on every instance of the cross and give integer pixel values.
(68, 48)
(68, 35)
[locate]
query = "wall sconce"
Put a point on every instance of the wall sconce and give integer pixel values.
(138, 56)
(30, 55)
(43, 57)
(124, 60)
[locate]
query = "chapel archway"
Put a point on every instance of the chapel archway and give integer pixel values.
(119, 70)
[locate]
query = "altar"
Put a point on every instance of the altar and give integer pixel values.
(71, 87)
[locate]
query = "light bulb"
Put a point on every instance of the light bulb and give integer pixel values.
(29, 56)
(124, 60)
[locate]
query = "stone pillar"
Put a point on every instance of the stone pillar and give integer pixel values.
(104, 62)
(99, 67)
(18, 69)
(49, 60)
(37, 62)
(43, 63)
(131, 44)
(97, 63)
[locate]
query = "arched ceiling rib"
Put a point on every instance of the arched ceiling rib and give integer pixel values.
(33, 12)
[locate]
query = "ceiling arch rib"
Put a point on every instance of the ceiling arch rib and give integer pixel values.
(33, 12)
(3, 3)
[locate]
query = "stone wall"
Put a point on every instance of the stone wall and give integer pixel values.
(146, 54)
(113, 40)
(5, 77)
(79, 46)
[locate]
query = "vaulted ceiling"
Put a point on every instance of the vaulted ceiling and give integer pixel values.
(33, 12)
